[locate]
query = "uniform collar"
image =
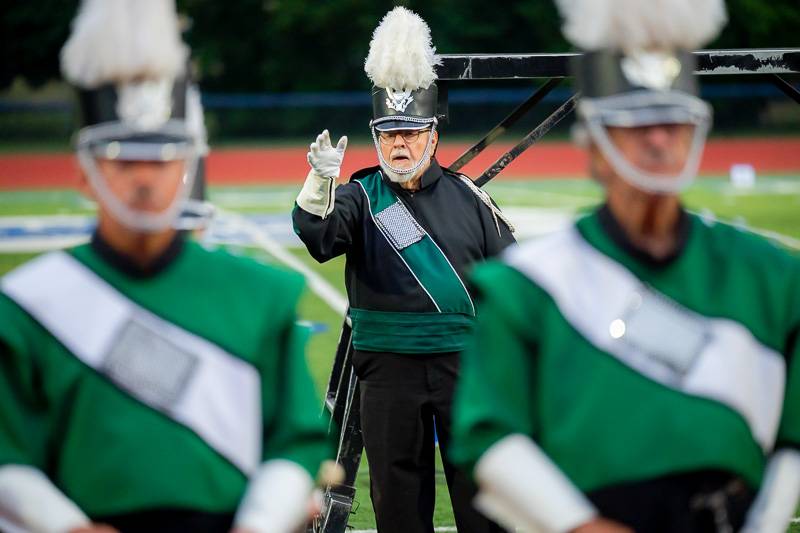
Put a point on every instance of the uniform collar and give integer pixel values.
(613, 229)
(128, 266)
(429, 177)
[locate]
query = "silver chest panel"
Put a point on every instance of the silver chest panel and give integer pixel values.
(399, 226)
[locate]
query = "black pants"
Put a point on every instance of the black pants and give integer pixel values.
(169, 521)
(401, 396)
(695, 502)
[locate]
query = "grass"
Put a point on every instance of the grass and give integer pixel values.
(773, 205)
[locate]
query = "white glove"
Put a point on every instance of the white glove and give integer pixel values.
(324, 159)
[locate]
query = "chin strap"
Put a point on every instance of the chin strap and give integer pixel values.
(425, 155)
(195, 215)
(141, 221)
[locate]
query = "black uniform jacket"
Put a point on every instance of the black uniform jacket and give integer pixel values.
(457, 220)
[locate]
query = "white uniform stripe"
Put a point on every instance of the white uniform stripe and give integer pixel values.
(594, 294)
(221, 401)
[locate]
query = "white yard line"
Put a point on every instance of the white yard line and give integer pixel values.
(316, 283)
(43, 244)
(444, 528)
(233, 199)
(530, 221)
(786, 240)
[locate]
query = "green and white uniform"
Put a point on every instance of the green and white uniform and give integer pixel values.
(156, 392)
(622, 370)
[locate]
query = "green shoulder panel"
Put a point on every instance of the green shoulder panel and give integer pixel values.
(23, 421)
(494, 397)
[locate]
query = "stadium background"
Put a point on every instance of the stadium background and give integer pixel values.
(274, 73)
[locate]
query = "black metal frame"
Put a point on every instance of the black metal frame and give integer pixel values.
(342, 401)
(774, 64)
(342, 395)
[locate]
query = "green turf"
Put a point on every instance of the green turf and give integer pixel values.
(44, 202)
(9, 261)
(773, 205)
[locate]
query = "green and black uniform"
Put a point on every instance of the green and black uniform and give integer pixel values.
(408, 254)
(149, 397)
(646, 381)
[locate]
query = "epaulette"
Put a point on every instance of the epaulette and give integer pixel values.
(358, 174)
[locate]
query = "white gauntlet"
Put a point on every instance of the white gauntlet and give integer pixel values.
(779, 496)
(317, 194)
(277, 499)
(31, 502)
(523, 490)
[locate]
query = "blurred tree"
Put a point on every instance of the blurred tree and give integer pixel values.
(309, 45)
(31, 34)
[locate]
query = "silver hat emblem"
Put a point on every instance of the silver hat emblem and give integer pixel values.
(145, 105)
(654, 70)
(398, 100)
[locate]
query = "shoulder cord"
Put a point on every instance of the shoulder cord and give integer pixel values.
(487, 200)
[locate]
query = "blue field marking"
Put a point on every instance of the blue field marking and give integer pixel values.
(42, 233)
(313, 327)
(22, 232)
(277, 225)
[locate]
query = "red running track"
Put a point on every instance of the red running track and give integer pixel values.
(288, 164)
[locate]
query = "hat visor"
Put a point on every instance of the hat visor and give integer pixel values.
(632, 118)
(646, 108)
(154, 147)
(399, 125)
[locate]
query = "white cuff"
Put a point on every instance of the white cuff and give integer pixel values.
(277, 498)
(520, 487)
(30, 501)
(779, 496)
(317, 195)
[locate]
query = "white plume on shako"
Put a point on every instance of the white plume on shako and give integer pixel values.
(401, 53)
(105, 47)
(642, 25)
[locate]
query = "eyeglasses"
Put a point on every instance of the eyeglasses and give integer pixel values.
(409, 136)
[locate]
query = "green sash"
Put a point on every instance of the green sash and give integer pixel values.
(432, 270)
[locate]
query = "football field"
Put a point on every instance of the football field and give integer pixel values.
(254, 220)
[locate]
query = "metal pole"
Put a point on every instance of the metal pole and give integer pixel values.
(506, 123)
(342, 400)
(527, 141)
(789, 89)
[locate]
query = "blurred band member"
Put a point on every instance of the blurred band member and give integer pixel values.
(146, 383)
(640, 370)
(410, 230)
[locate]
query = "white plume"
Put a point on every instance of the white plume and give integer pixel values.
(122, 40)
(401, 54)
(642, 24)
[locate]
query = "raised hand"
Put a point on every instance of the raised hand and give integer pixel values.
(324, 158)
